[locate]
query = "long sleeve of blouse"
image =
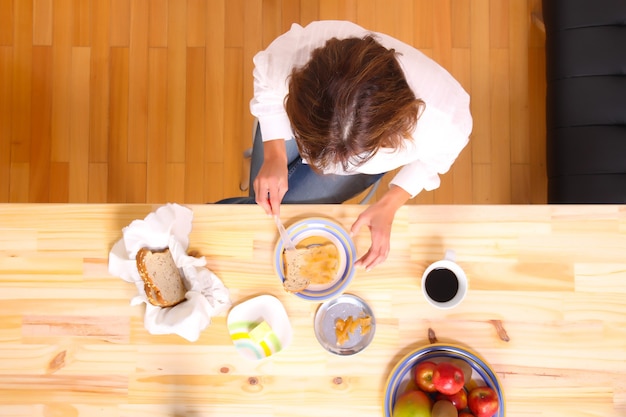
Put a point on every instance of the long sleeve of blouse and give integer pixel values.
(442, 130)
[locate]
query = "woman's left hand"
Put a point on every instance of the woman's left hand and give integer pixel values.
(379, 222)
(379, 219)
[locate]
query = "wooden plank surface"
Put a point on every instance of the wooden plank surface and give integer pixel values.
(489, 45)
(555, 276)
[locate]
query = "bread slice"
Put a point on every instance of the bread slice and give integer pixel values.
(320, 263)
(311, 265)
(162, 279)
(294, 282)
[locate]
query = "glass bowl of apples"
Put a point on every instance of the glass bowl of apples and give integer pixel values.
(443, 380)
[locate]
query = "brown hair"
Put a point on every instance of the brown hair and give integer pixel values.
(348, 101)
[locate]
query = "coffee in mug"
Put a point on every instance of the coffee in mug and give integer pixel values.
(444, 282)
(441, 285)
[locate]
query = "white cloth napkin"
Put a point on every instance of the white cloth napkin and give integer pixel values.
(169, 226)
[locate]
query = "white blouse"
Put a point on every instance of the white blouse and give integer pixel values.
(442, 130)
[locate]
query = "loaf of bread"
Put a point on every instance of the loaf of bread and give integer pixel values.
(162, 279)
(311, 265)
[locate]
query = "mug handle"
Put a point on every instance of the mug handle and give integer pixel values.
(450, 255)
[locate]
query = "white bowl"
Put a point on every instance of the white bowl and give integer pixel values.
(332, 232)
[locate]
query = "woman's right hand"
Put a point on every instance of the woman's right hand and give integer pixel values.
(271, 183)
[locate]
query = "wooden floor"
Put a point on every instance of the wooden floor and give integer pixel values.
(147, 100)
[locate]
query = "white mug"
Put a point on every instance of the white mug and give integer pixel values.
(444, 283)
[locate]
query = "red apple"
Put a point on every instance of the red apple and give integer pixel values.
(459, 400)
(466, 414)
(424, 376)
(448, 378)
(465, 367)
(483, 402)
(412, 404)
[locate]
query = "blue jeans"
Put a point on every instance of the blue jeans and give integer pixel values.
(305, 185)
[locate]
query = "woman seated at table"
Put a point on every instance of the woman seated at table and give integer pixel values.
(339, 106)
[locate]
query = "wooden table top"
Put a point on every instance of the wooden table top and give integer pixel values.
(553, 276)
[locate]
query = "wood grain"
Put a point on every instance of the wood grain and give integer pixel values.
(550, 278)
(489, 45)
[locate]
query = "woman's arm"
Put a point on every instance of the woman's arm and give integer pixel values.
(379, 218)
(271, 183)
